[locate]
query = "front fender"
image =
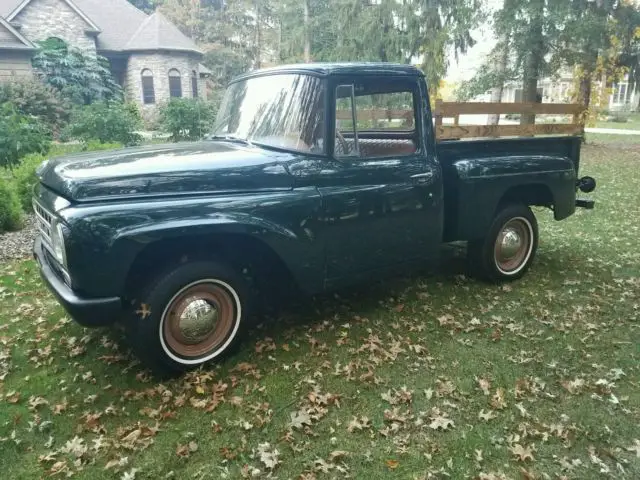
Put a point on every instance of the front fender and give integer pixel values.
(105, 239)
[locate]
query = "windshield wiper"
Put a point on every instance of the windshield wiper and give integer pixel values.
(230, 138)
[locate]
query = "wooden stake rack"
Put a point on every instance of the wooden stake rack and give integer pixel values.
(457, 131)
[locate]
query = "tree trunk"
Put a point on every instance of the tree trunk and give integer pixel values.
(258, 47)
(533, 61)
(307, 32)
(585, 90)
(496, 94)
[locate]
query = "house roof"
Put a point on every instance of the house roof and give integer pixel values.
(21, 4)
(158, 33)
(121, 26)
(19, 41)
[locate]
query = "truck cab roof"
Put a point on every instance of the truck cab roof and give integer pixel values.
(346, 68)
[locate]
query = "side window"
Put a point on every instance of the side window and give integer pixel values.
(376, 118)
(148, 90)
(175, 84)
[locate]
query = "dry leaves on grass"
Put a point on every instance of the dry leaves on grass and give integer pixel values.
(521, 453)
(268, 455)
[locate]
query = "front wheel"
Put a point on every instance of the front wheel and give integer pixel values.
(187, 316)
(508, 249)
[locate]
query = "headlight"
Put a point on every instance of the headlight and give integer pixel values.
(57, 243)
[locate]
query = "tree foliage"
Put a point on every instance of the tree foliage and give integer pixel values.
(106, 122)
(238, 35)
(21, 135)
(79, 76)
(627, 32)
(32, 98)
(186, 119)
(10, 211)
(412, 31)
(145, 5)
(594, 39)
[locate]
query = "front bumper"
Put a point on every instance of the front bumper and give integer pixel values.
(89, 312)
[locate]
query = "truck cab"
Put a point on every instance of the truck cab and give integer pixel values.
(314, 177)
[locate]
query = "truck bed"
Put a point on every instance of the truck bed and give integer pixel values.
(479, 173)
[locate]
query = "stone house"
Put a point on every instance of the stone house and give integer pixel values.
(150, 58)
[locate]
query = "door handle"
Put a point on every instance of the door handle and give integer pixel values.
(422, 178)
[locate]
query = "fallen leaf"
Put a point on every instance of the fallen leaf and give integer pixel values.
(574, 386)
(392, 464)
(522, 453)
(485, 386)
(144, 311)
(635, 448)
(497, 401)
(486, 416)
(268, 455)
(299, 419)
(440, 422)
(12, 397)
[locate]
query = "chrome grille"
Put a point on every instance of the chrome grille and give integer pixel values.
(44, 219)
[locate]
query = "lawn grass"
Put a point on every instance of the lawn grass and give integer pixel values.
(632, 124)
(614, 140)
(433, 376)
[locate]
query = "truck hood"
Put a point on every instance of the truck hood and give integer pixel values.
(161, 170)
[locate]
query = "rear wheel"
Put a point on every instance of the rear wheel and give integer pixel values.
(508, 249)
(187, 316)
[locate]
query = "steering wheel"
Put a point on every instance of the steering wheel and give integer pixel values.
(343, 142)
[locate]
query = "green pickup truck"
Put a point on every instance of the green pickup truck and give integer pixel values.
(301, 184)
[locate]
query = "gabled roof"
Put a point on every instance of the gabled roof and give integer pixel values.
(118, 20)
(158, 33)
(20, 43)
(23, 3)
(121, 26)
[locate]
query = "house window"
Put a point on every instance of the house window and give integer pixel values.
(175, 84)
(148, 91)
(194, 84)
(620, 93)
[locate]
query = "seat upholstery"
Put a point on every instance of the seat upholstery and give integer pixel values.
(379, 147)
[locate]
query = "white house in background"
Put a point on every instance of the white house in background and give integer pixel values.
(558, 90)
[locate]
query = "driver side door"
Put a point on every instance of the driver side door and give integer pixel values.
(381, 192)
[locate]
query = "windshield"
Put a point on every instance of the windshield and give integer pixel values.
(282, 110)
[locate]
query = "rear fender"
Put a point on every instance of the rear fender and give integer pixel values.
(482, 185)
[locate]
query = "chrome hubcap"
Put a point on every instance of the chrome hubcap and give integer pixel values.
(510, 244)
(198, 319)
(513, 246)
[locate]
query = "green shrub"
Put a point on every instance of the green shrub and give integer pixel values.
(10, 212)
(619, 116)
(24, 177)
(186, 119)
(21, 135)
(33, 98)
(106, 122)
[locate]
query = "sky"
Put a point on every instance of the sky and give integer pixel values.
(468, 64)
